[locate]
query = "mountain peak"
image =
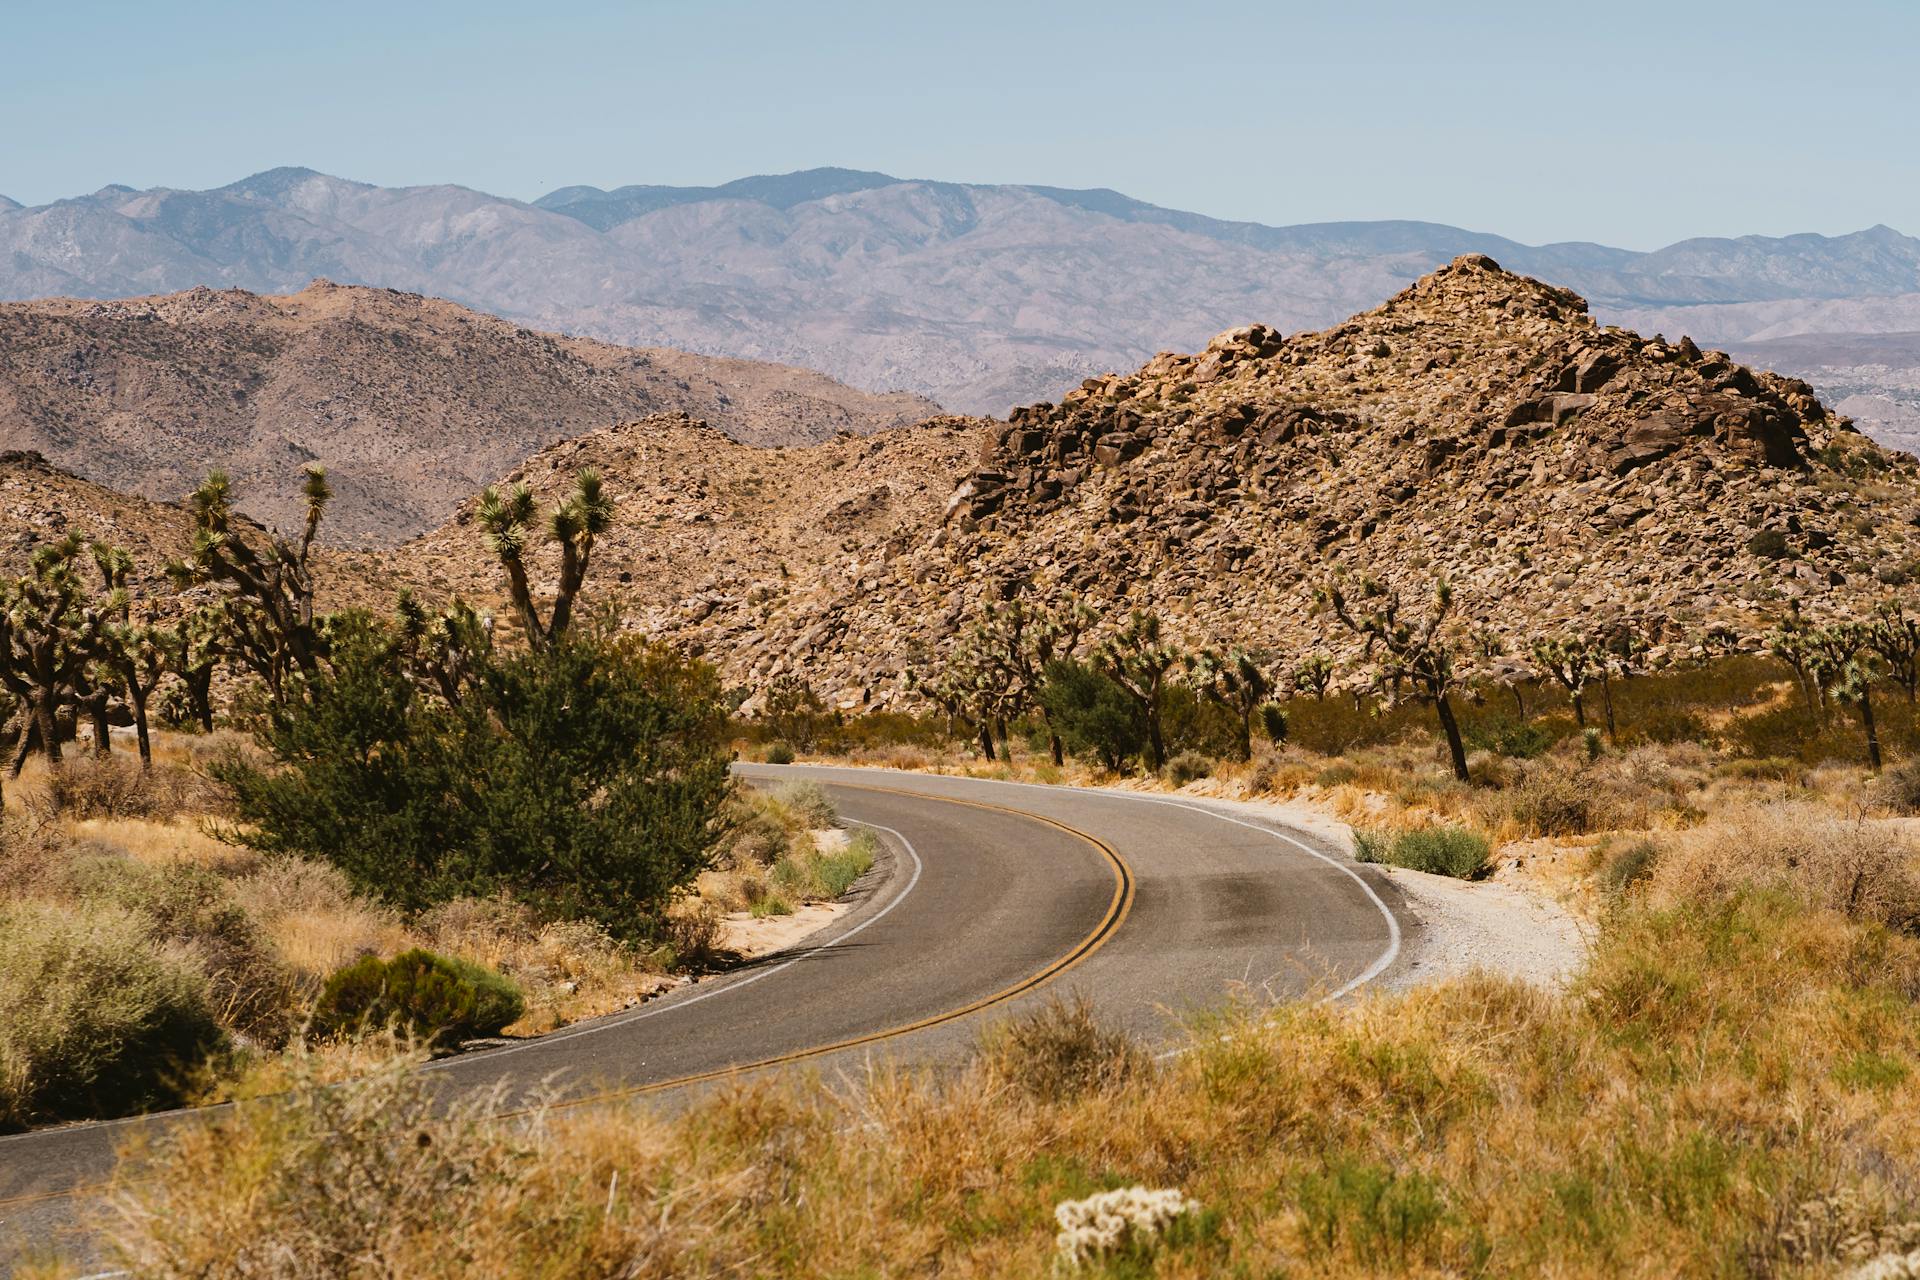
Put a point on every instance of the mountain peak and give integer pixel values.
(275, 184)
(8, 204)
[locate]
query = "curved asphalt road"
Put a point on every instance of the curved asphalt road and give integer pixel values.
(989, 897)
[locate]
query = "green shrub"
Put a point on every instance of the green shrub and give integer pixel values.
(438, 998)
(1516, 740)
(1188, 766)
(1093, 716)
(586, 779)
(1769, 544)
(779, 753)
(1629, 867)
(1443, 851)
(95, 1021)
(1273, 721)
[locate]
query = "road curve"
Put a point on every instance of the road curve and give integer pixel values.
(989, 896)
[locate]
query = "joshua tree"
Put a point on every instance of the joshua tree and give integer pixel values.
(48, 639)
(970, 688)
(1314, 675)
(507, 521)
(793, 711)
(194, 648)
(1417, 655)
(271, 626)
(1792, 643)
(1841, 657)
(1020, 640)
(1895, 638)
(1620, 650)
(1236, 682)
(444, 652)
(1573, 664)
(1137, 660)
(134, 653)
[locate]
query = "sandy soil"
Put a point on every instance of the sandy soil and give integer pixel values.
(745, 936)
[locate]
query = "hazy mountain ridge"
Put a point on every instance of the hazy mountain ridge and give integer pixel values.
(979, 296)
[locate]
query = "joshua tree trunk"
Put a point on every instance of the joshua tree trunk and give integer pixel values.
(44, 724)
(986, 739)
(1519, 700)
(138, 697)
(1579, 712)
(1456, 748)
(1155, 742)
(1246, 734)
(1873, 733)
(1606, 699)
(199, 684)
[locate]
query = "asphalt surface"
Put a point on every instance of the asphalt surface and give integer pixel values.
(988, 898)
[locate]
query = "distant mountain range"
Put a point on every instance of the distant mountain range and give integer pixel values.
(978, 296)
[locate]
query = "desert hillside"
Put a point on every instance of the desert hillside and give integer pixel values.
(751, 554)
(41, 503)
(1478, 425)
(411, 403)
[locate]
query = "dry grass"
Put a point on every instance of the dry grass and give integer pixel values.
(1729, 1089)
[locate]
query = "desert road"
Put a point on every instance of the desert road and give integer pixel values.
(987, 897)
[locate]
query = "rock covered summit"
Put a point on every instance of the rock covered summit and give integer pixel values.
(1478, 425)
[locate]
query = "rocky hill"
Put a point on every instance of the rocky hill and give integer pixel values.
(412, 403)
(40, 503)
(981, 296)
(1480, 424)
(751, 554)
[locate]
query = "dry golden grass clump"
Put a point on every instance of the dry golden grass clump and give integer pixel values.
(1728, 1088)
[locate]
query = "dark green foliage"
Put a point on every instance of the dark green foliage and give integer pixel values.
(1274, 722)
(1197, 724)
(1769, 544)
(1443, 851)
(585, 778)
(1502, 736)
(438, 998)
(1094, 716)
(1629, 867)
(779, 753)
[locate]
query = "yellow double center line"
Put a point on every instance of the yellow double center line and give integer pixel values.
(1116, 913)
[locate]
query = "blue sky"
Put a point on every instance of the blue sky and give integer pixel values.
(1625, 122)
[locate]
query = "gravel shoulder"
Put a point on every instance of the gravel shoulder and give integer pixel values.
(1508, 924)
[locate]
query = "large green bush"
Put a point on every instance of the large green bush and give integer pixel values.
(1443, 851)
(1093, 715)
(95, 1020)
(587, 779)
(438, 998)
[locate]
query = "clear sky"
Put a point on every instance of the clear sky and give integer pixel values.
(1626, 122)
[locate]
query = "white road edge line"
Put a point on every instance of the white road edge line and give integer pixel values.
(721, 990)
(1381, 962)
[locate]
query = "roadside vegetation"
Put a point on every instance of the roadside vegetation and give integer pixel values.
(1726, 1086)
(419, 829)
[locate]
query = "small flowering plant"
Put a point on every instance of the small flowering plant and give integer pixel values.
(1131, 1217)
